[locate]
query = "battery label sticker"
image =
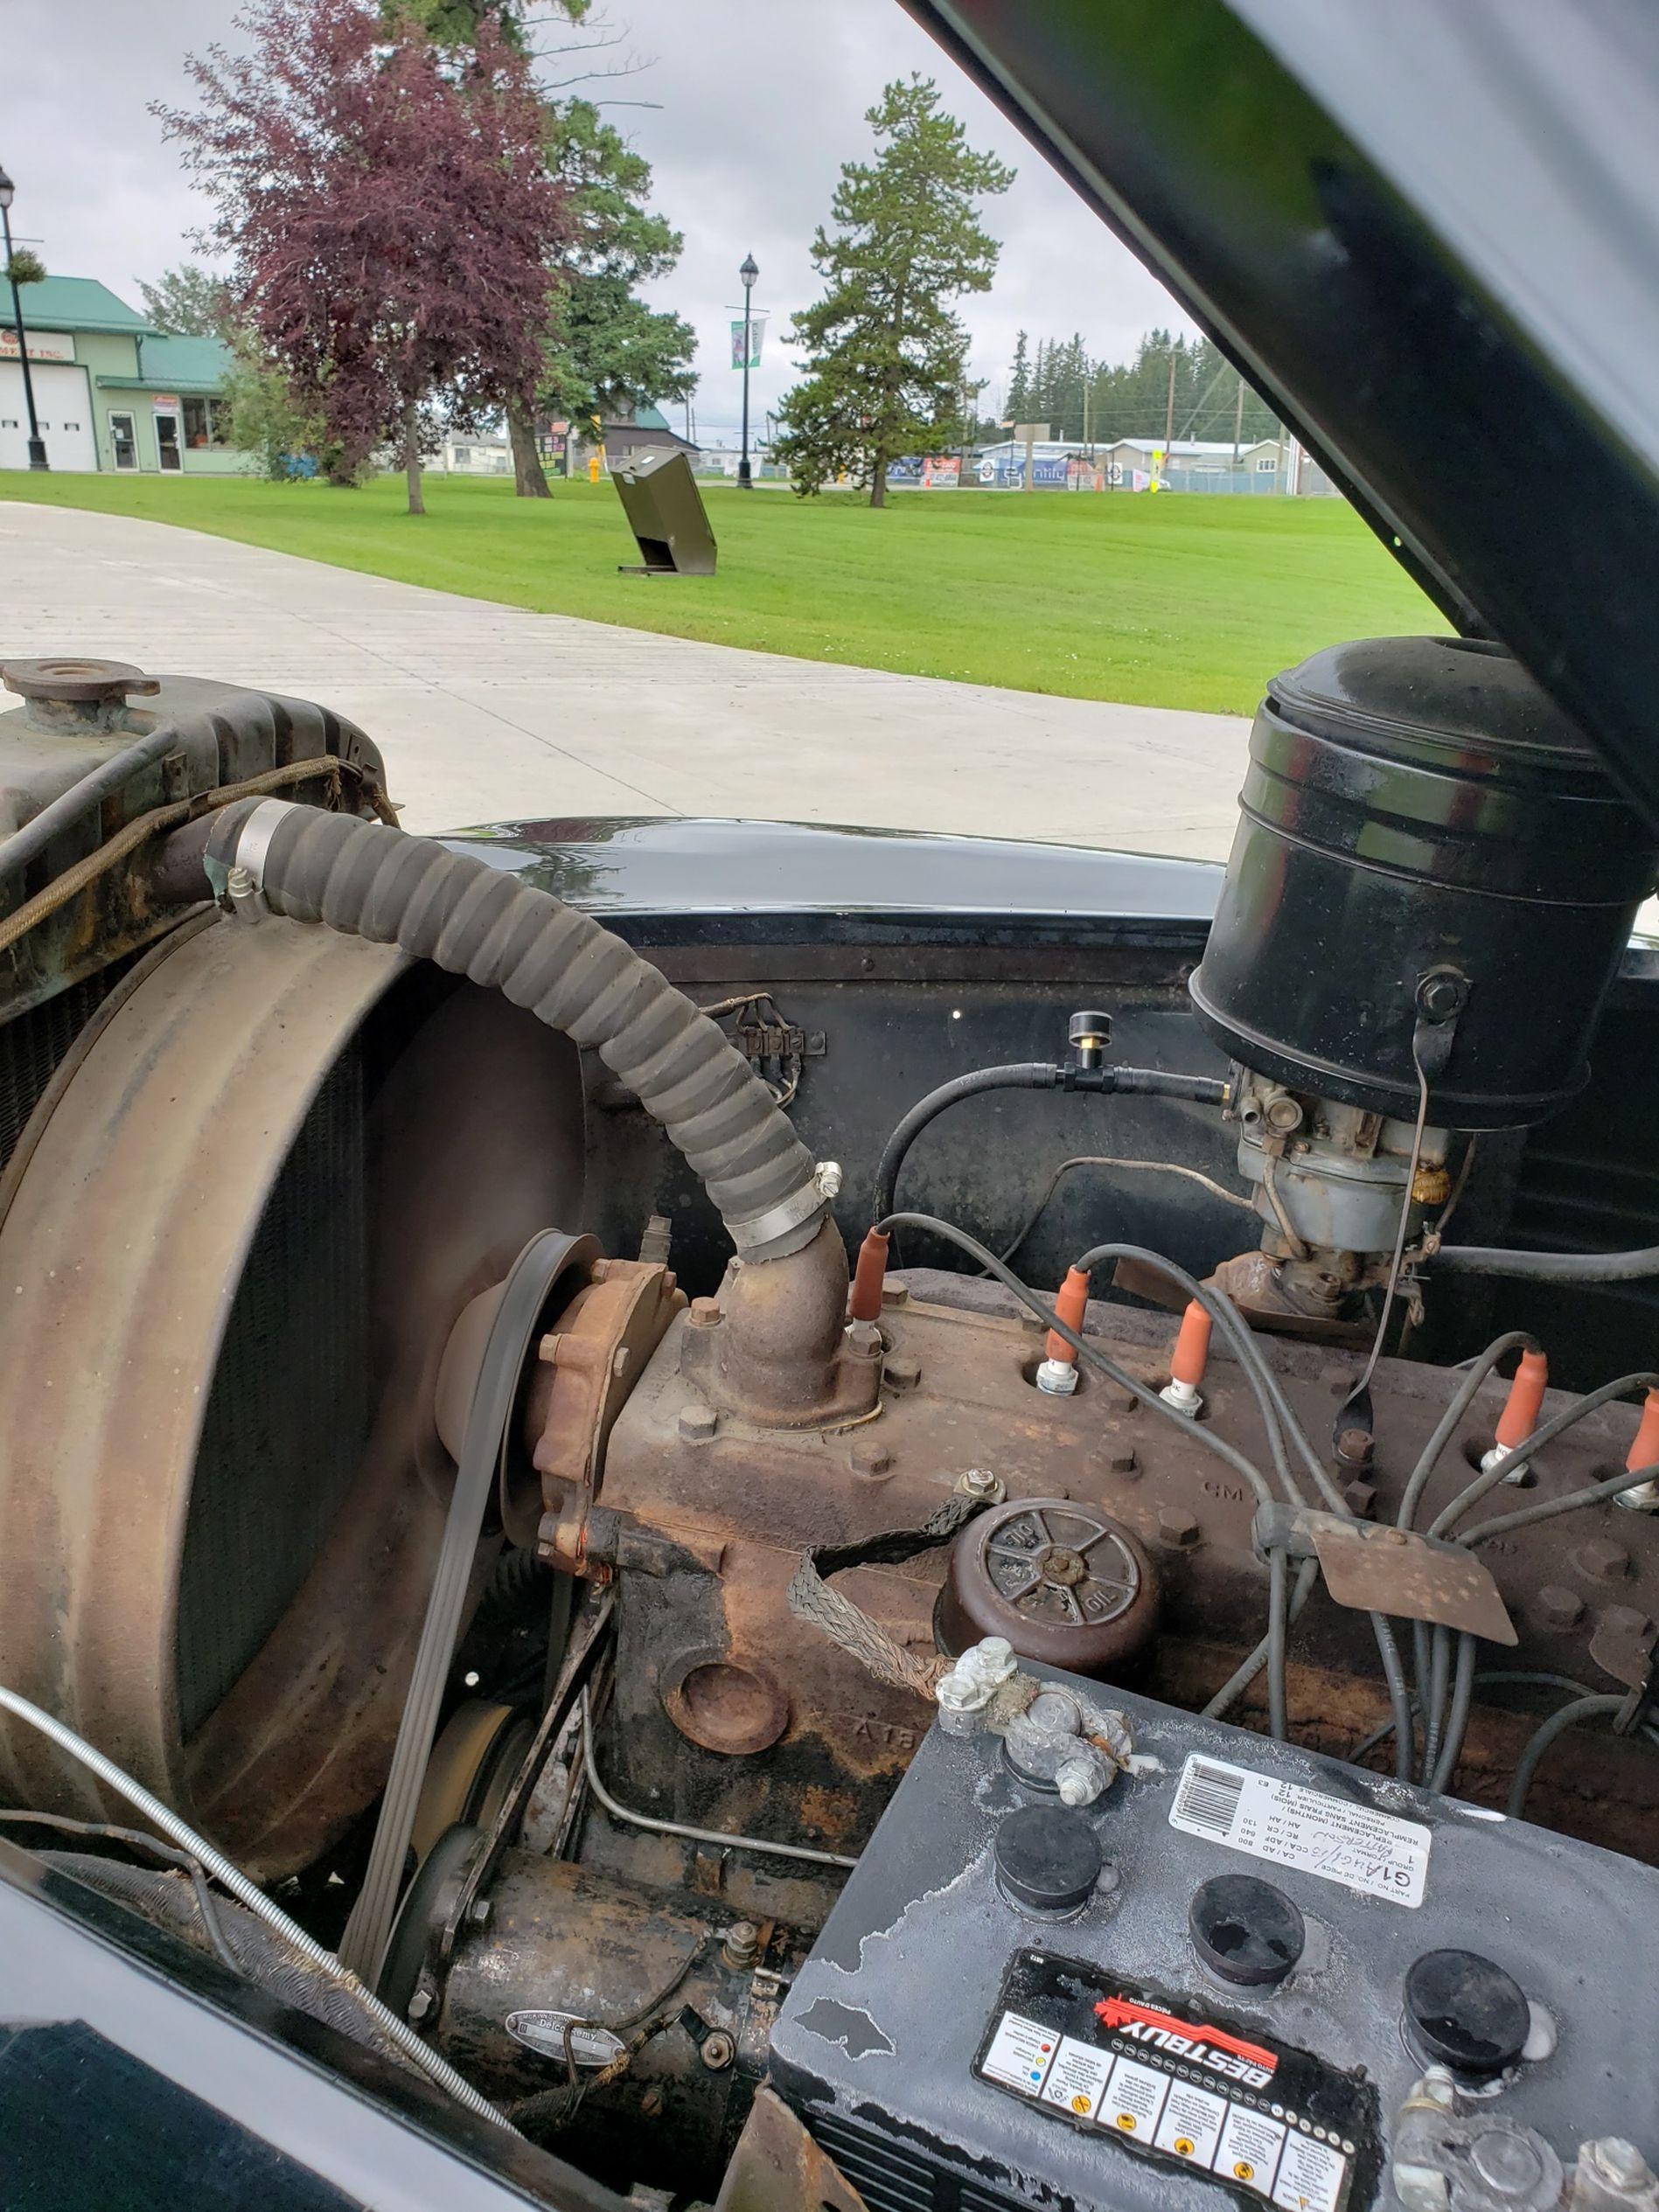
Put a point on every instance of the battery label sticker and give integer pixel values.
(1375, 1853)
(1171, 2080)
(1021, 2054)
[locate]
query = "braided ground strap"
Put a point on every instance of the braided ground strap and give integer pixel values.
(811, 1599)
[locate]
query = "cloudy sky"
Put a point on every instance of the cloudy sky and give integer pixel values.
(745, 107)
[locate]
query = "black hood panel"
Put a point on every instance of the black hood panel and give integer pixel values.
(1428, 232)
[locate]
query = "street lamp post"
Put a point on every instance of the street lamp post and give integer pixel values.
(36, 443)
(749, 272)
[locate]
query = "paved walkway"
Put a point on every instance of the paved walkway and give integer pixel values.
(488, 713)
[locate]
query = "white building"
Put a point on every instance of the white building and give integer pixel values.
(486, 454)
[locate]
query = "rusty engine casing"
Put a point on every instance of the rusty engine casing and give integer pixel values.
(732, 1713)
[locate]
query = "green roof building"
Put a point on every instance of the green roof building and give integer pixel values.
(111, 390)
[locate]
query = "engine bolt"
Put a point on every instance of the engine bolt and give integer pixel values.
(717, 2052)
(741, 1947)
(864, 1339)
(1626, 1620)
(1177, 1527)
(1360, 1498)
(980, 1482)
(1621, 2161)
(1602, 1560)
(1559, 1608)
(703, 1314)
(896, 1291)
(1355, 1447)
(869, 1457)
(1122, 1461)
(419, 2004)
(482, 1908)
(903, 1372)
(698, 1421)
(650, 2103)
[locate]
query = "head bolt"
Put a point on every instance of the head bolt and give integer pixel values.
(1602, 1560)
(1360, 1498)
(703, 1314)
(1621, 2161)
(1121, 1461)
(697, 1421)
(1559, 1608)
(480, 1912)
(717, 2052)
(869, 1457)
(1177, 1527)
(896, 1290)
(903, 1372)
(1355, 1447)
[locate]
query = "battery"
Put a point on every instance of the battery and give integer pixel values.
(1274, 1948)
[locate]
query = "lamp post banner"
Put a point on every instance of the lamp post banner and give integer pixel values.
(756, 326)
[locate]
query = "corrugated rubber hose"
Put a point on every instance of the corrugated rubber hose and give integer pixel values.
(474, 919)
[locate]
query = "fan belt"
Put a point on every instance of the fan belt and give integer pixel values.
(524, 1296)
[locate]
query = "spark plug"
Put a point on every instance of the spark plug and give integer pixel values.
(1520, 1415)
(1187, 1363)
(1644, 1452)
(1057, 1373)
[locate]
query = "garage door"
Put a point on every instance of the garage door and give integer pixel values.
(64, 404)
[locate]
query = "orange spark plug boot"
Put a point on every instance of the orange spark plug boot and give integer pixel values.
(1521, 1410)
(1188, 1362)
(1644, 1452)
(1057, 1370)
(868, 1276)
(1643, 1496)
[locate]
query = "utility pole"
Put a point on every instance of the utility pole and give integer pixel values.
(36, 443)
(1169, 410)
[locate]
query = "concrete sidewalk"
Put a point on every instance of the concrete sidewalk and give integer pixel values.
(487, 714)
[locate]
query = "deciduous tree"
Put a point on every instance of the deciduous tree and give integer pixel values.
(189, 300)
(887, 357)
(387, 216)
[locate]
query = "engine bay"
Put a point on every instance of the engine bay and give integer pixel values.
(607, 1468)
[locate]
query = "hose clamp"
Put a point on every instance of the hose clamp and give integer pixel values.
(754, 1238)
(250, 849)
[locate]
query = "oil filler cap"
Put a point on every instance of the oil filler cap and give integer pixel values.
(1465, 2013)
(1245, 1931)
(1047, 1858)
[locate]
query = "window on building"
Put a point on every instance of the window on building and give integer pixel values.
(463, 456)
(205, 423)
(1267, 465)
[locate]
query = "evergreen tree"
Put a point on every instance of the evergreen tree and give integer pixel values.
(1018, 383)
(606, 349)
(887, 357)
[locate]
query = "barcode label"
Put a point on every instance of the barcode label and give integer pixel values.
(1339, 1839)
(1208, 1798)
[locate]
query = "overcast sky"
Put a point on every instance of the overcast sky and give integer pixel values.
(754, 106)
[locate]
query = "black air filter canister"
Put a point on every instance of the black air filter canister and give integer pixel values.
(1415, 804)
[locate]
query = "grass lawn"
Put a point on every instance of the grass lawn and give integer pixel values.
(1178, 600)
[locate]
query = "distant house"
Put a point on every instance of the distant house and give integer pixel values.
(486, 454)
(111, 390)
(624, 435)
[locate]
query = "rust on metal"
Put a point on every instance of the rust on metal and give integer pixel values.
(169, 1136)
(1384, 1570)
(776, 2167)
(749, 1499)
(775, 1351)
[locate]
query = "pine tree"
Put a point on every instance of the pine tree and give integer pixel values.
(1019, 397)
(605, 348)
(887, 357)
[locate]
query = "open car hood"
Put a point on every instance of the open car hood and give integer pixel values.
(1426, 232)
